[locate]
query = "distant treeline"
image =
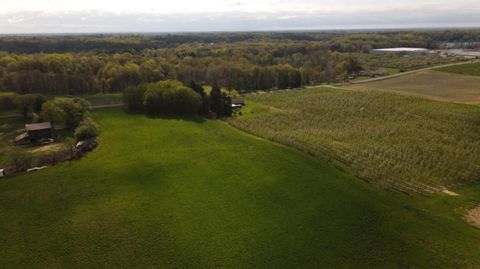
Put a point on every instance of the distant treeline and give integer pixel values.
(342, 41)
(243, 66)
(79, 64)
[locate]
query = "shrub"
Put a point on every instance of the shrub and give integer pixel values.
(87, 129)
(21, 160)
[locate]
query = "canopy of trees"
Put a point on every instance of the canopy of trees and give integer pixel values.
(241, 61)
(67, 112)
(170, 97)
(173, 98)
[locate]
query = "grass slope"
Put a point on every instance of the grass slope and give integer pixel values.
(388, 139)
(168, 193)
(472, 69)
(436, 85)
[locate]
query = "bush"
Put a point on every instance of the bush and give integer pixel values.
(87, 129)
(21, 160)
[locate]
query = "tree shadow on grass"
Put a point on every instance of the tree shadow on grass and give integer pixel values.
(190, 118)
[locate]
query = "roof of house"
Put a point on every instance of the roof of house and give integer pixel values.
(38, 126)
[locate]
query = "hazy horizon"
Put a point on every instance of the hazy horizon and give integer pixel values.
(148, 16)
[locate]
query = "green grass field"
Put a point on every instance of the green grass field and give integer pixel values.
(388, 139)
(8, 131)
(188, 193)
(472, 69)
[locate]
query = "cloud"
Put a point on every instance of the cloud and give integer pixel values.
(100, 21)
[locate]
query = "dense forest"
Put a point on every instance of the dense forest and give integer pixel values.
(79, 64)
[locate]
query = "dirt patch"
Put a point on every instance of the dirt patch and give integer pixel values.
(473, 217)
(48, 148)
(450, 193)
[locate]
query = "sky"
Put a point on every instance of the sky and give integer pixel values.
(93, 16)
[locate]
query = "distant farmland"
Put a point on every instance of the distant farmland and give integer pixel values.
(472, 69)
(436, 85)
(394, 141)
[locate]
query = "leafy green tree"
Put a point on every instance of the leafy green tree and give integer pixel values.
(24, 104)
(133, 97)
(216, 100)
(205, 100)
(171, 97)
(53, 113)
(39, 101)
(65, 111)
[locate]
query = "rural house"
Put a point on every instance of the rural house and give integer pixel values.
(35, 133)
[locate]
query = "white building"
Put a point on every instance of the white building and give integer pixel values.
(409, 51)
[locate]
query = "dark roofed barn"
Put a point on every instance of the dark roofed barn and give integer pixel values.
(35, 133)
(39, 131)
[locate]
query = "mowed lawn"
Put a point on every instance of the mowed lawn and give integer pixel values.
(432, 84)
(173, 193)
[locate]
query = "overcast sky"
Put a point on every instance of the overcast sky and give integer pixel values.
(80, 16)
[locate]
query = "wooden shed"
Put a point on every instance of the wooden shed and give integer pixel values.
(35, 133)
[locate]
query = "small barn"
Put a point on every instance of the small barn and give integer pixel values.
(35, 133)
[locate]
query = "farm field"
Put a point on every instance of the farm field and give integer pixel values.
(178, 193)
(472, 69)
(436, 85)
(392, 63)
(391, 140)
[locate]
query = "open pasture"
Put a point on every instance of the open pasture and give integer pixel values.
(190, 193)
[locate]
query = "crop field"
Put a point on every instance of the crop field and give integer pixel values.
(190, 193)
(391, 140)
(472, 69)
(393, 63)
(436, 85)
